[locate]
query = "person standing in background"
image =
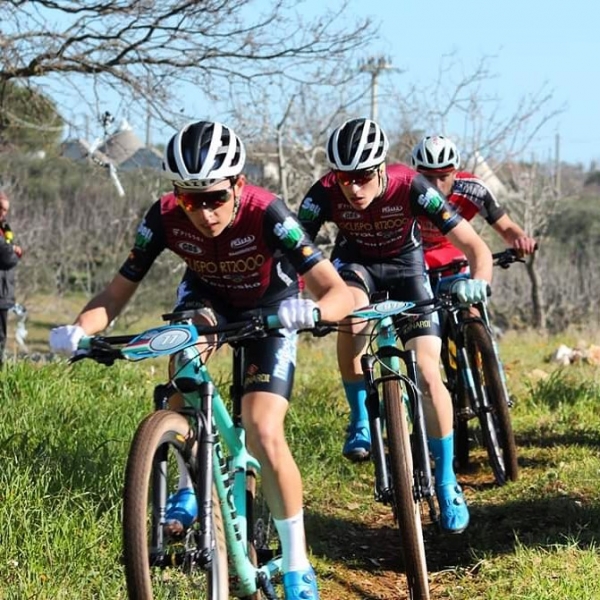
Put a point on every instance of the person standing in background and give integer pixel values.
(10, 254)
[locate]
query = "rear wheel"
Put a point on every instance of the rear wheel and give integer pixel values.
(493, 413)
(160, 564)
(406, 508)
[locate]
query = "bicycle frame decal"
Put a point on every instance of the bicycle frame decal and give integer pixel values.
(382, 309)
(160, 341)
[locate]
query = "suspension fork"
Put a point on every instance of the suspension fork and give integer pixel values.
(421, 465)
(382, 480)
(463, 366)
(202, 474)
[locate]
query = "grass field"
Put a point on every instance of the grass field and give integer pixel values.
(65, 432)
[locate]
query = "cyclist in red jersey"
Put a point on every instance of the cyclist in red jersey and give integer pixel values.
(244, 250)
(375, 207)
(438, 159)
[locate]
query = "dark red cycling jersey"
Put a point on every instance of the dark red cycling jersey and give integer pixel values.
(388, 227)
(255, 262)
(470, 196)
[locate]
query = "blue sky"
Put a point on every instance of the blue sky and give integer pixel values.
(533, 44)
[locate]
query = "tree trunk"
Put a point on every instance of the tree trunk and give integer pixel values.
(537, 294)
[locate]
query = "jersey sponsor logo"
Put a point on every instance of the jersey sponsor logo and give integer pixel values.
(258, 378)
(350, 215)
(285, 358)
(471, 188)
(392, 210)
(239, 242)
(239, 265)
(397, 223)
(431, 201)
(289, 232)
(243, 251)
(182, 233)
(189, 247)
(283, 276)
(143, 236)
(309, 211)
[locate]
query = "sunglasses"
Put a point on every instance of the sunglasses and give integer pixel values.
(192, 201)
(361, 177)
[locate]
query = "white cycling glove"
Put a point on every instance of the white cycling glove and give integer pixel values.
(296, 313)
(471, 291)
(64, 339)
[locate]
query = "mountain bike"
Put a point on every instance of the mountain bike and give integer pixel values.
(229, 549)
(475, 376)
(403, 476)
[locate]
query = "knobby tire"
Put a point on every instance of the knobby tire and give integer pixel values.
(159, 428)
(494, 418)
(406, 508)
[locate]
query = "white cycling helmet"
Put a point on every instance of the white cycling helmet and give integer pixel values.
(435, 152)
(357, 144)
(203, 153)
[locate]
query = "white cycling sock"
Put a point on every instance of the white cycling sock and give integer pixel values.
(185, 481)
(293, 543)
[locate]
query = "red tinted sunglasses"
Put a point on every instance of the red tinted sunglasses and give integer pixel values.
(191, 201)
(361, 177)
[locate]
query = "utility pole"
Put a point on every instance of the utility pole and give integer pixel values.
(375, 66)
(557, 181)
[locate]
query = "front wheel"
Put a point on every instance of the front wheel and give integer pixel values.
(406, 507)
(493, 411)
(160, 564)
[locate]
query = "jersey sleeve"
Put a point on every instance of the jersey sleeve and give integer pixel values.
(491, 210)
(285, 234)
(313, 210)
(428, 201)
(149, 243)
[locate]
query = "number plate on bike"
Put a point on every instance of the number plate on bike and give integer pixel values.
(160, 341)
(387, 308)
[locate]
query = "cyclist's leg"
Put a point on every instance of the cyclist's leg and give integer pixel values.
(264, 406)
(351, 344)
(424, 337)
(182, 506)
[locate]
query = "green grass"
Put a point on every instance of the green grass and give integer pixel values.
(65, 432)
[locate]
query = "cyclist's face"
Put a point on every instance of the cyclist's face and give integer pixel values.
(211, 210)
(442, 181)
(360, 188)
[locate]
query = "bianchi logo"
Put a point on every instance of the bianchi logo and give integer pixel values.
(239, 242)
(189, 248)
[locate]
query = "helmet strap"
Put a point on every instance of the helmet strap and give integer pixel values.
(383, 180)
(236, 203)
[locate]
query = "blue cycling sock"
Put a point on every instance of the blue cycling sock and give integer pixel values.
(356, 394)
(442, 450)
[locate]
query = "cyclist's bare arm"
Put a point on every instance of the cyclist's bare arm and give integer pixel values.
(514, 236)
(329, 291)
(466, 239)
(106, 305)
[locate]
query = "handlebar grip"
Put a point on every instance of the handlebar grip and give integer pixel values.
(273, 322)
(85, 343)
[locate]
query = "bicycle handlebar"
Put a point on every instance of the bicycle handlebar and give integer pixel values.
(501, 259)
(171, 338)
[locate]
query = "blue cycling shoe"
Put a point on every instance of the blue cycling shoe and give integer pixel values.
(300, 585)
(357, 446)
(453, 508)
(182, 507)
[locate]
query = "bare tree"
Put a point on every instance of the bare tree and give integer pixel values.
(146, 49)
(459, 103)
